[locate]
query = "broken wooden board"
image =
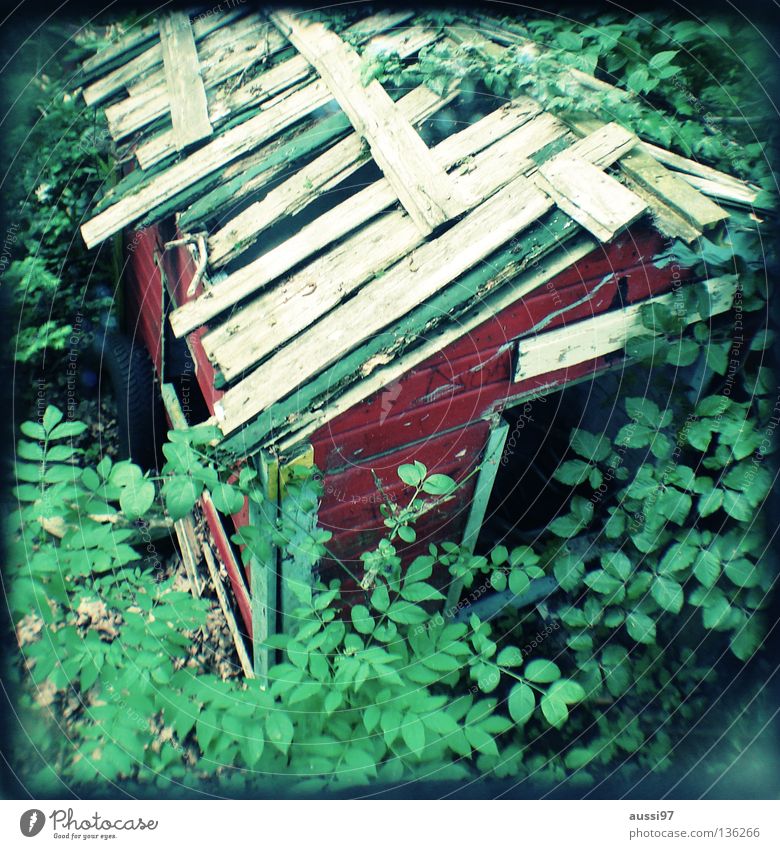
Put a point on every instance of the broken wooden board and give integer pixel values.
(420, 183)
(186, 92)
(128, 45)
(671, 190)
(289, 309)
(607, 333)
(211, 157)
(147, 64)
(595, 200)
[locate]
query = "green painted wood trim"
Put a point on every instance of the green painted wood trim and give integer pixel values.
(264, 570)
(491, 460)
(549, 233)
(173, 407)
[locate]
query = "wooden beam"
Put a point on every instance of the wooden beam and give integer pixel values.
(264, 568)
(419, 181)
(186, 92)
(595, 200)
(607, 333)
(673, 191)
(491, 460)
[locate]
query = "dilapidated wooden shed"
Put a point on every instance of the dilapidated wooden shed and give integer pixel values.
(364, 277)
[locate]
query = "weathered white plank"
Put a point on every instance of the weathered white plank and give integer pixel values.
(419, 181)
(438, 340)
(147, 66)
(284, 77)
(126, 42)
(186, 92)
(672, 190)
(307, 295)
(335, 164)
(595, 200)
(604, 334)
(368, 252)
(279, 114)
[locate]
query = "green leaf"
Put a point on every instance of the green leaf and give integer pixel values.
(481, 740)
(488, 677)
(716, 613)
(662, 59)
(439, 485)
(407, 533)
(498, 580)
(51, 417)
(421, 591)
(743, 573)
(668, 593)
(280, 730)
(707, 568)
(590, 446)
(180, 494)
(600, 582)
(135, 501)
(518, 582)
(227, 499)
(555, 710)
(641, 627)
(510, 656)
(737, 506)
(617, 564)
(67, 430)
(567, 691)
(33, 430)
(405, 613)
(542, 671)
(410, 474)
(362, 619)
(521, 703)
(572, 472)
(710, 502)
(413, 734)
(380, 599)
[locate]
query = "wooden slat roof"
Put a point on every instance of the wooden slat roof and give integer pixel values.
(261, 128)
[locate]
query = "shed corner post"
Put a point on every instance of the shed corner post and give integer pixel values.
(264, 570)
(491, 459)
(293, 572)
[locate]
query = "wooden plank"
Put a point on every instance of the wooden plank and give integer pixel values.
(211, 157)
(605, 334)
(186, 92)
(129, 41)
(666, 220)
(149, 63)
(486, 477)
(263, 574)
(286, 311)
(592, 198)
(487, 308)
(689, 167)
(419, 181)
(673, 191)
(230, 619)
